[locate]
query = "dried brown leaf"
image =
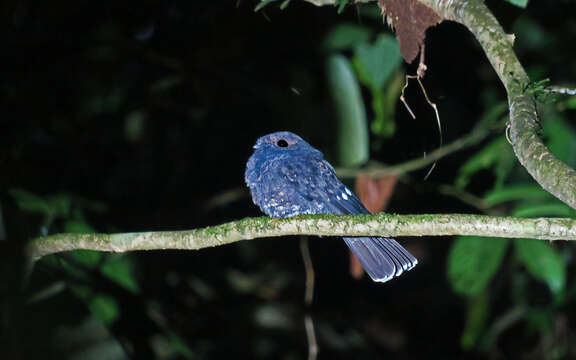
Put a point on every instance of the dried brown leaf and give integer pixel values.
(375, 193)
(410, 18)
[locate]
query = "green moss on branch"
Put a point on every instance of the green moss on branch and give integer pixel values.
(321, 225)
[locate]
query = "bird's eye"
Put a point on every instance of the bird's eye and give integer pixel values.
(282, 143)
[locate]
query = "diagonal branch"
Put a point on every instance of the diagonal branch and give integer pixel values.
(377, 170)
(552, 174)
(322, 225)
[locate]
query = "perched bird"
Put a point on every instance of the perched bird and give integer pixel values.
(288, 177)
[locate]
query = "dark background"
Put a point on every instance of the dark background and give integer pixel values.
(141, 114)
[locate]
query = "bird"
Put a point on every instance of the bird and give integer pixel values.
(288, 177)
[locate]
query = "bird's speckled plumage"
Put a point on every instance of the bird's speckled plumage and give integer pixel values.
(288, 177)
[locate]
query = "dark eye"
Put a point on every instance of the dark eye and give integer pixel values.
(282, 143)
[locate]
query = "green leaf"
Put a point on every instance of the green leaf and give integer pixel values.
(540, 319)
(543, 262)
(346, 36)
(134, 125)
(262, 4)
(498, 155)
(105, 308)
(561, 140)
(86, 340)
(102, 306)
(571, 102)
(516, 192)
(171, 344)
(89, 258)
(476, 315)
(547, 209)
(341, 4)
(384, 106)
(78, 226)
(353, 141)
(30, 202)
(473, 261)
(519, 3)
(375, 63)
(120, 269)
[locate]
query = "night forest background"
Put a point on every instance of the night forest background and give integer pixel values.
(124, 116)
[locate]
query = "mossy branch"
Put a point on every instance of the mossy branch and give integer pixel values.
(323, 225)
(552, 174)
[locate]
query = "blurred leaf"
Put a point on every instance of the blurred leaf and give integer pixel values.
(48, 292)
(353, 141)
(29, 202)
(55, 205)
(540, 319)
(105, 308)
(376, 62)
(495, 112)
(548, 209)
(561, 140)
(571, 103)
(89, 258)
(473, 261)
(501, 324)
(516, 192)
(120, 269)
(104, 99)
(167, 346)
(519, 3)
(534, 37)
(262, 4)
(375, 193)
(90, 340)
(346, 36)
(341, 4)
(476, 314)
(497, 155)
(543, 262)
(134, 125)
(166, 83)
(78, 226)
(384, 106)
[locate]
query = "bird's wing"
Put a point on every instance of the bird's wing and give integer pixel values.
(382, 258)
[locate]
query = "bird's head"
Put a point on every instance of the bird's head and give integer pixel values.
(284, 143)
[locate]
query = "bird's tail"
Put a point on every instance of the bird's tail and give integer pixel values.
(382, 258)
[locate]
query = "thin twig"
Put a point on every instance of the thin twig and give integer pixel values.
(403, 99)
(309, 267)
(421, 72)
(309, 298)
(378, 170)
(311, 335)
(464, 196)
(422, 64)
(561, 90)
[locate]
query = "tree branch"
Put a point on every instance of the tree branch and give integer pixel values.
(322, 225)
(378, 170)
(552, 174)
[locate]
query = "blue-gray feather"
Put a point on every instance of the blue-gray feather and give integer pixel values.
(288, 177)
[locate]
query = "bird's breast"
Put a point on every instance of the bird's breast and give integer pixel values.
(285, 188)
